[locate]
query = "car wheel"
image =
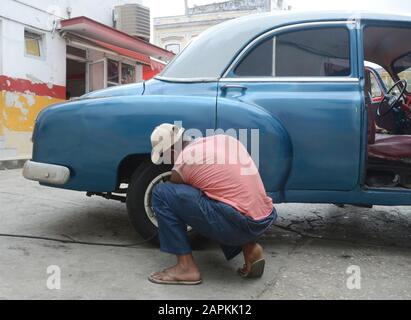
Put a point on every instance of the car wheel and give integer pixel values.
(139, 194)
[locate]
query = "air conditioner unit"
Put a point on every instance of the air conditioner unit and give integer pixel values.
(133, 19)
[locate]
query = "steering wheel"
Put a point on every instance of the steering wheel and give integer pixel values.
(391, 99)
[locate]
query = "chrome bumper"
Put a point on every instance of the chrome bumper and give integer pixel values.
(46, 173)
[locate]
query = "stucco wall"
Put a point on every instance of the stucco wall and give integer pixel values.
(22, 77)
(100, 10)
(29, 84)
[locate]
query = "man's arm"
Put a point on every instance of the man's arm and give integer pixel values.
(176, 178)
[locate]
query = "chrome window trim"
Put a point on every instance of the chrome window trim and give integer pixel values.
(186, 80)
(257, 40)
(291, 79)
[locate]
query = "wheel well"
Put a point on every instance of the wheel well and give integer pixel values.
(129, 165)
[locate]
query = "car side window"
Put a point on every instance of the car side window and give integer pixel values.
(321, 52)
(403, 68)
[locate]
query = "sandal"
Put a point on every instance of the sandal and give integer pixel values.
(174, 282)
(256, 270)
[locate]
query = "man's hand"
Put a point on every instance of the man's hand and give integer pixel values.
(176, 178)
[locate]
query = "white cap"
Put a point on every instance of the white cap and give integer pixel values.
(163, 138)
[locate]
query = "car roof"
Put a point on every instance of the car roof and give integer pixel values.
(208, 56)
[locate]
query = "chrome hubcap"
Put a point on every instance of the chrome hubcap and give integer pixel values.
(148, 195)
(162, 178)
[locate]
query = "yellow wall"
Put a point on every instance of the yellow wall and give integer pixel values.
(18, 112)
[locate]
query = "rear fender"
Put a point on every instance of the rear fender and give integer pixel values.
(275, 147)
(93, 136)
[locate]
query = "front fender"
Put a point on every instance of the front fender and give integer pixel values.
(275, 147)
(93, 136)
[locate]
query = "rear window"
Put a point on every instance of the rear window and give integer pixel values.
(402, 67)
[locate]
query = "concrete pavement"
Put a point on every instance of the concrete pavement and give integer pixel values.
(309, 252)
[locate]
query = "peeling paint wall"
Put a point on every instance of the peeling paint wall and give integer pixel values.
(19, 110)
(29, 84)
(20, 103)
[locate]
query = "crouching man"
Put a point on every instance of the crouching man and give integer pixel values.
(216, 189)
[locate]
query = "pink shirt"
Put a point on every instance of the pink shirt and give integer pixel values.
(221, 167)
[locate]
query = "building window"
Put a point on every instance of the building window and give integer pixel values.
(113, 73)
(173, 47)
(128, 74)
(322, 52)
(120, 73)
(73, 51)
(33, 44)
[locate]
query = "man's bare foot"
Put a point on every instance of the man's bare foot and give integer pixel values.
(252, 253)
(177, 273)
(185, 271)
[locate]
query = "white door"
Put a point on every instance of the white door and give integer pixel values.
(97, 75)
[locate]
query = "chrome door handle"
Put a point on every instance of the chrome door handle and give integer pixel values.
(233, 86)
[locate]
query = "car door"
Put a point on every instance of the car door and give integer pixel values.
(306, 77)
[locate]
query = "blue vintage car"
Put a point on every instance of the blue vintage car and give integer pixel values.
(306, 81)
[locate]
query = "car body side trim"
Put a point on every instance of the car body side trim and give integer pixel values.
(186, 80)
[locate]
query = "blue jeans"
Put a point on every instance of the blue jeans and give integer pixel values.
(179, 205)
